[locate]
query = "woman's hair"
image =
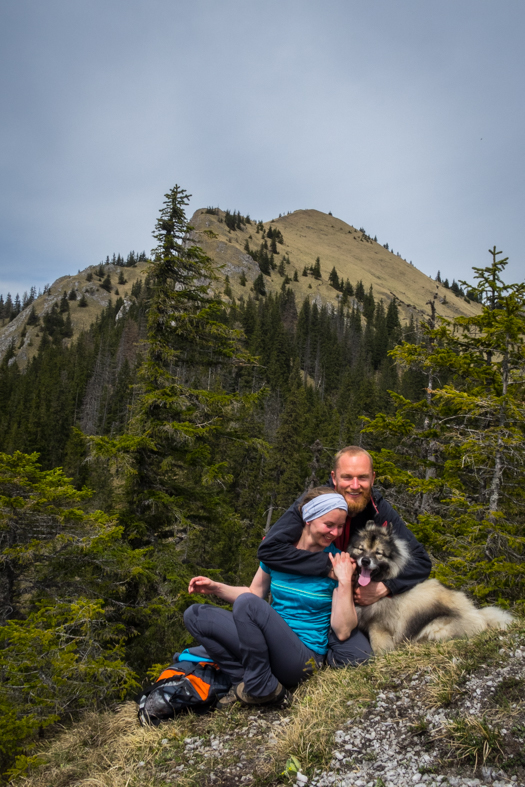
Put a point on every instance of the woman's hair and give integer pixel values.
(313, 493)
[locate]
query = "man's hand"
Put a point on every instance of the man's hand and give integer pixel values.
(370, 593)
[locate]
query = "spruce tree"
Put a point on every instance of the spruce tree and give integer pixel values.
(178, 480)
(174, 455)
(333, 279)
(456, 450)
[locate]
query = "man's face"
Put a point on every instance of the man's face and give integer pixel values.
(353, 478)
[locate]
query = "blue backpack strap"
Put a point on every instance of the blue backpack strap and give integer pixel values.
(193, 654)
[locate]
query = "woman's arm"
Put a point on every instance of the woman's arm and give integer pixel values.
(260, 586)
(344, 616)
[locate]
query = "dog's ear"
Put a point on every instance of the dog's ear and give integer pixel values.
(389, 529)
(370, 524)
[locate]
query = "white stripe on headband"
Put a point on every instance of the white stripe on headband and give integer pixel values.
(321, 505)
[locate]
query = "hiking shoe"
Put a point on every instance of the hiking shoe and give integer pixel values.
(279, 696)
(228, 700)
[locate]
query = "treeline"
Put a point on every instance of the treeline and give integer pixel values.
(87, 385)
(11, 308)
(336, 353)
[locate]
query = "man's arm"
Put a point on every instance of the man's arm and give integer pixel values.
(418, 567)
(278, 550)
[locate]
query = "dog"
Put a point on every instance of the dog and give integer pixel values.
(429, 611)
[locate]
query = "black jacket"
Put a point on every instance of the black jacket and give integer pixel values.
(278, 550)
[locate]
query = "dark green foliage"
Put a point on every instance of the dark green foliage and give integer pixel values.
(54, 324)
(64, 305)
(242, 280)
(333, 279)
(33, 318)
(174, 455)
(275, 235)
(60, 647)
(368, 303)
(258, 285)
(454, 444)
(316, 269)
(106, 284)
(83, 301)
(87, 385)
(89, 276)
(262, 256)
(234, 221)
(72, 295)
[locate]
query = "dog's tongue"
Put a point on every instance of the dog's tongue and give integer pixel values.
(364, 577)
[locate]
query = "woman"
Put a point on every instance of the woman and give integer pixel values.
(265, 649)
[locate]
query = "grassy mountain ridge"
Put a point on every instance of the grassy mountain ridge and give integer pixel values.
(26, 346)
(307, 234)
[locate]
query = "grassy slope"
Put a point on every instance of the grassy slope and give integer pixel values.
(425, 687)
(309, 234)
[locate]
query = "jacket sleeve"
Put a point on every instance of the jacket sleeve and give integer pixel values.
(277, 550)
(418, 567)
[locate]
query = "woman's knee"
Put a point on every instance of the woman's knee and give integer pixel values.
(191, 617)
(246, 603)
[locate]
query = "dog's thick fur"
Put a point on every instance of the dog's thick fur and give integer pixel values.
(429, 611)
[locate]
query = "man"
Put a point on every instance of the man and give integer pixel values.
(353, 477)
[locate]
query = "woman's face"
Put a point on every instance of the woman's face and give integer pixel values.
(325, 529)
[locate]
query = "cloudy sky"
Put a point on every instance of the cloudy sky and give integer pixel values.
(405, 117)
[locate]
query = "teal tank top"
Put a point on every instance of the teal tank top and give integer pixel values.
(305, 603)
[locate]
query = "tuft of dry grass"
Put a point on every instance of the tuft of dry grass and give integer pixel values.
(108, 749)
(472, 738)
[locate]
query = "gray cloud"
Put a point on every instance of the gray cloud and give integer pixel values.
(405, 118)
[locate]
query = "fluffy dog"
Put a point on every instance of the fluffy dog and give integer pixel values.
(429, 611)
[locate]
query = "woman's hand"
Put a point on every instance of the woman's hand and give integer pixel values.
(344, 616)
(343, 567)
(208, 587)
(203, 585)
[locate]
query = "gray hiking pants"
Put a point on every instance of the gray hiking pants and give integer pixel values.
(255, 645)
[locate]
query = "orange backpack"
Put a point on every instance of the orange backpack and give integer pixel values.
(183, 686)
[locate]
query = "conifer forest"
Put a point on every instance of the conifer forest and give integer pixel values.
(163, 444)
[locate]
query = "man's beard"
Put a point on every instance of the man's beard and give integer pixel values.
(359, 503)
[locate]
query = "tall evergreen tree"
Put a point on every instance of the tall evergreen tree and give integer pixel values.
(459, 447)
(177, 478)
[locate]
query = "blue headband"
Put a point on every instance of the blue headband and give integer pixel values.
(323, 504)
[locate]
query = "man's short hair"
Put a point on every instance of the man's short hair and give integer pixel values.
(352, 450)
